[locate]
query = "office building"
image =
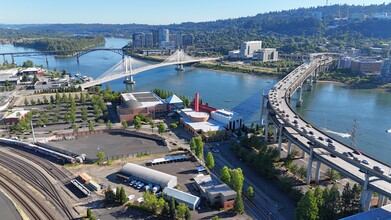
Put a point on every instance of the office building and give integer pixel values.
(266, 54)
(164, 35)
(366, 66)
(248, 47)
(155, 38)
(138, 40)
(188, 199)
(187, 40)
(148, 40)
(386, 69)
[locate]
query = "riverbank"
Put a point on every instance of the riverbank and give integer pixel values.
(151, 58)
(355, 82)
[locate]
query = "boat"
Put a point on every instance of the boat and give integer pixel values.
(388, 131)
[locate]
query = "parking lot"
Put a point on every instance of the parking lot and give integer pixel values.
(113, 145)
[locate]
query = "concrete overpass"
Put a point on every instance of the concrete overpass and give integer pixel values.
(373, 175)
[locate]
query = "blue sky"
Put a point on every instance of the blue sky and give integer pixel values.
(145, 11)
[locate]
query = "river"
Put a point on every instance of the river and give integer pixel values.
(330, 106)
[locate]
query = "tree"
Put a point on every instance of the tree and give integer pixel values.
(117, 195)
(238, 205)
(91, 125)
(216, 217)
(161, 127)
(75, 127)
(51, 99)
(101, 155)
(122, 199)
(347, 198)
(237, 180)
(166, 210)
(84, 114)
(89, 213)
(193, 145)
(181, 211)
(82, 98)
(24, 78)
(250, 191)
(173, 125)
(27, 63)
(58, 97)
(210, 161)
(137, 123)
(124, 124)
(307, 208)
(45, 100)
(109, 125)
(109, 195)
(187, 214)
(26, 102)
(318, 194)
(335, 200)
(225, 176)
(332, 174)
(152, 124)
(172, 208)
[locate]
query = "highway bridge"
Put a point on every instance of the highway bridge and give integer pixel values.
(373, 175)
(124, 68)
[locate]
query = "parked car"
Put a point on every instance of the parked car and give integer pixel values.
(140, 200)
(132, 182)
(136, 184)
(140, 186)
(131, 197)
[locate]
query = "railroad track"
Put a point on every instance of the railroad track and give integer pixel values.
(36, 178)
(50, 168)
(26, 204)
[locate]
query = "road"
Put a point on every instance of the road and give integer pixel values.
(269, 201)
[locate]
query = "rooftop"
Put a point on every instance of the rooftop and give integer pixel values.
(15, 113)
(383, 213)
(147, 99)
(186, 197)
(10, 72)
(173, 99)
(213, 186)
(210, 125)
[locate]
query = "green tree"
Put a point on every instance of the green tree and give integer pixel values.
(250, 191)
(51, 99)
(66, 117)
(89, 213)
(152, 124)
(109, 195)
(335, 197)
(27, 63)
(123, 198)
(91, 125)
(109, 125)
(181, 211)
(173, 125)
(215, 217)
(318, 194)
(58, 97)
(75, 127)
(225, 176)
(332, 174)
(238, 205)
(172, 208)
(26, 102)
(101, 155)
(137, 123)
(193, 145)
(166, 210)
(187, 214)
(161, 127)
(45, 100)
(84, 113)
(237, 180)
(82, 98)
(118, 195)
(124, 124)
(210, 161)
(307, 208)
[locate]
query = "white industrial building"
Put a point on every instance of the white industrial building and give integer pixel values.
(248, 47)
(231, 120)
(266, 54)
(149, 175)
(189, 200)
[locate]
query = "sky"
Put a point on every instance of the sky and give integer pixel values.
(146, 11)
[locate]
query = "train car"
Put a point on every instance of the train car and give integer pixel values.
(80, 186)
(94, 185)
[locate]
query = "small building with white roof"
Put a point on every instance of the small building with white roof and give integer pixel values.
(15, 116)
(188, 199)
(174, 103)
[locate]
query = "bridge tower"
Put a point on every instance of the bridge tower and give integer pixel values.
(128, 71)
(179, 67)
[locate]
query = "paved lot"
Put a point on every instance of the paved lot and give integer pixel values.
(113, 145)
(7, 209)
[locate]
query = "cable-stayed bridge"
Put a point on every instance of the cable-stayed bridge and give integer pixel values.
(128, 67)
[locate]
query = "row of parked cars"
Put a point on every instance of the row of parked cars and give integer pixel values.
(144, 186)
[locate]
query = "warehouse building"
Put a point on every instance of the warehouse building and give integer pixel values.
(189, 200)
(148, 175)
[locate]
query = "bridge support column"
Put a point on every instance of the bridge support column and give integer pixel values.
(47, 61)
(267, 128)
(364, 191)
(300, 101)
(280, 140)
(309, 167)
(77, 59)
(129, 80)
(289, 147)
(310, 85)
(262, 108)
(3, 59)
(13, 59)
(303, 154)
(180, 67)
(275, 134)
(368, 200)
(317, 171)
(315, 79)
(380, 201)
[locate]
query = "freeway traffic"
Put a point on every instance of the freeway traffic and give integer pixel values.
(348, 161)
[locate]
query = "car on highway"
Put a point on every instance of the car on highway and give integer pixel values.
(357, 159)
(296, 116)
(214, 150)
(295, 121)
(308, 125)
(378, 169)
(331, 145)
(311, 132)
(350, 154)
(356, 151)
(321, 138)
(365, 162)
(346, 154)
(333, 155)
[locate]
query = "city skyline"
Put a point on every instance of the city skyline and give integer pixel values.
(168, 12)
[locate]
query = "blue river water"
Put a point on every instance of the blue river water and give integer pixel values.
(330, 106)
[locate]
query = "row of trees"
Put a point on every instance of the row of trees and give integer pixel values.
(329, 203)
(234, 178)
(117, 198)
(197, 146)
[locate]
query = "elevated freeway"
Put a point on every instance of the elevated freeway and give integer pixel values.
(372, 174)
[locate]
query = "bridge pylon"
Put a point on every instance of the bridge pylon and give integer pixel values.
(128, 71)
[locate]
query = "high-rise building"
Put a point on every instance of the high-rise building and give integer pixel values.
(164, 35)
(366, 66)
(155, 38)
(148, 40)
(386, 69)
(138, 40)
(248, 47)
(187, 40)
